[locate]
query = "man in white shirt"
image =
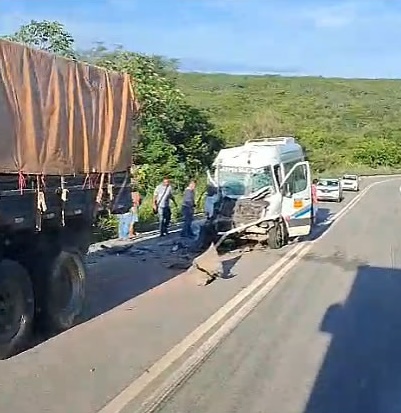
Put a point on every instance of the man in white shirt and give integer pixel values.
(161, 205)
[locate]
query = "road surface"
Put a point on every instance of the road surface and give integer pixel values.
(328, 338)
(281, 358)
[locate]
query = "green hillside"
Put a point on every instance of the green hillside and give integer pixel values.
(343, 124)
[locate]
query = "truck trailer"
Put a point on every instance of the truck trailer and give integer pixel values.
(65, 156)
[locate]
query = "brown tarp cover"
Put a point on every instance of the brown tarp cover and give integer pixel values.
(58, 116)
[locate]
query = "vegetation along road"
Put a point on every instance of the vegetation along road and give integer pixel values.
(323, 338)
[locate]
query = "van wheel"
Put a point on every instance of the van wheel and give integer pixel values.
(65, 292)
(277, 236)
(17, 308)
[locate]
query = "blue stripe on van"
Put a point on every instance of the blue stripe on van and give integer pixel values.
(303, 212)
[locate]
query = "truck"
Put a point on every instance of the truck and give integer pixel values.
(65, 158)
(263, 191)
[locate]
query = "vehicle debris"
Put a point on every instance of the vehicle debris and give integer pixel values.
(208, 266)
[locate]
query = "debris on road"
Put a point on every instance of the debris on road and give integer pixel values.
(208, 266)
(199, 256)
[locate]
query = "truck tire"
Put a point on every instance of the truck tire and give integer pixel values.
(65, 291)
(277, 236)
(17, 308)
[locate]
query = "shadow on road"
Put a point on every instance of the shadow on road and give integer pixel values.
(228, 268)
(138, 270)
(361, 372)
(132, 270)
(118, 273)
(323, 215)
(322, 224)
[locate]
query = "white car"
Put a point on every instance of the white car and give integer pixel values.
(329, 189)
(350, 183)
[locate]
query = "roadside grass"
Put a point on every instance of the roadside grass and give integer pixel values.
(357, 170)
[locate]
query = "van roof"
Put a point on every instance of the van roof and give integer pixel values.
(261, 152)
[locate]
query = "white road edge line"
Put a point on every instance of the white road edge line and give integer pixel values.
(283, 266)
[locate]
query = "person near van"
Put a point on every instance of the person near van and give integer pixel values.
(210, 200)
(136, 202)
(161, 205)
(314, 199)
(124, 221)
(188, 209)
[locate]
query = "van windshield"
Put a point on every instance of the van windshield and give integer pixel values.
(239, 182)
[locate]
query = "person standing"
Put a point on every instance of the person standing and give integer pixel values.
(136, 202)
(188, 209)
(161, 205)
(210, 200)
(314, 200)
(124, 221)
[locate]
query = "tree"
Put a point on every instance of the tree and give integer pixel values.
(45, 35)
(378, 153)
(263, 124)
(177, 139)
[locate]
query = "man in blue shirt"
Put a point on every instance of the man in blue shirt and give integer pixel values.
(161, 203)
(187, 209)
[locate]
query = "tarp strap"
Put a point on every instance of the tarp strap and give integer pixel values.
(21, 182)
(99, 196)
(110, 188)
(41, 201)
(87, 180)
(122, 187)
(64, 194)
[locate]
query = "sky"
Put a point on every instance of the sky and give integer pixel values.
(354, 38)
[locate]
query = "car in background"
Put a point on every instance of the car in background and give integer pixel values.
(350, 183)
(329, 189)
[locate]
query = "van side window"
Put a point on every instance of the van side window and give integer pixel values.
(288, 166)
(298, 181)
(277, 174)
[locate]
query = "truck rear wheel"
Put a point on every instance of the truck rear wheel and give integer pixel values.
(16, 307)
(65, 291)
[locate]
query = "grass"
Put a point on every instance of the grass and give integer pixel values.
(343, 124)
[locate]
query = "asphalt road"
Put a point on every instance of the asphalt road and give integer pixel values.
(138, 310)
(328, 338)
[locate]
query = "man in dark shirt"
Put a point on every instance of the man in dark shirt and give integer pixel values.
(188, 208)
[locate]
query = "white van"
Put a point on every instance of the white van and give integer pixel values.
(264, 190)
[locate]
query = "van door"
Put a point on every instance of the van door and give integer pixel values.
(296, 206)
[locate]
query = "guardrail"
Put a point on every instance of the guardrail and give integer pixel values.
(379, 174)
(142, 236)
(174, 227)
